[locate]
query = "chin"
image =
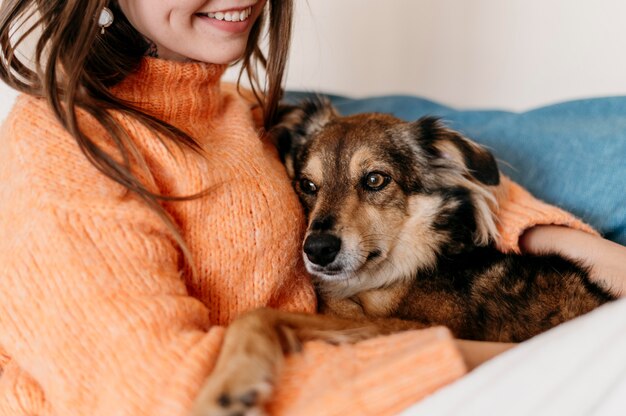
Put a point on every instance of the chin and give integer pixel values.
(224, 58)
(229, 52)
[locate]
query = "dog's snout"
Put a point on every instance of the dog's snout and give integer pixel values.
(324, 223)
(322, 249)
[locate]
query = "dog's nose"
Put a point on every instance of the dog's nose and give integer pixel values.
(322, 249)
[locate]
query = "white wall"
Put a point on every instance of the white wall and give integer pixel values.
(513, 54)
(7, 96)
(469, 53)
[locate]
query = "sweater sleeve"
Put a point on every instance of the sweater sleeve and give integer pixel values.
(95, 318)
(519, 211)
(93, 310)
(380, 376)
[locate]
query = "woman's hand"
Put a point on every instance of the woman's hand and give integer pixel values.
(606, 258)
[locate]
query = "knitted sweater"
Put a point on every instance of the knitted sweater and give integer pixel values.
(96, 316)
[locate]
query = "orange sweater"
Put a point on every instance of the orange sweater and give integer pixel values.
(96, 317)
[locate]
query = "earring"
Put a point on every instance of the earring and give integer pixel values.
(105, 19)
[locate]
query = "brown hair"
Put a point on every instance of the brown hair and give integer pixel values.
(74, 66)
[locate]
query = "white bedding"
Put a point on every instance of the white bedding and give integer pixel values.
(578, 368)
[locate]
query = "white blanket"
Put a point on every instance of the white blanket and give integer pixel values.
(578, 368)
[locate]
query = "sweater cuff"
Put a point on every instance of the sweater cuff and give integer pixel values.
(519, 211)
(380, 376)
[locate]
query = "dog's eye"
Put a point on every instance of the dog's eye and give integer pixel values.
(375, 181)
(308, 187)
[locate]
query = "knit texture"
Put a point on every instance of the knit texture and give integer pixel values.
(96, 315)
(518, 211)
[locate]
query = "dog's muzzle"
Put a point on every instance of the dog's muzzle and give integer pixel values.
(322, 248)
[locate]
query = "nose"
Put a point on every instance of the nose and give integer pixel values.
(322, 248)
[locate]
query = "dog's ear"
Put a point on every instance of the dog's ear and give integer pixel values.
(450, 146)
(459, 162)
(296, 124)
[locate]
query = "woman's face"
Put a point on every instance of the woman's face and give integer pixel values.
(212, 31)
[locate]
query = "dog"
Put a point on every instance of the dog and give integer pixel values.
(401, 232)
(402, 225)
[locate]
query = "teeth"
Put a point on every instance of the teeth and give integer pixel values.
(230, 16)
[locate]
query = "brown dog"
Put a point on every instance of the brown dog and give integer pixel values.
(401, 225)
(401, 231)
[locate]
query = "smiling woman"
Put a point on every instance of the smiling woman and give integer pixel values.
(144, 212)
(181, 30)
(120, 273)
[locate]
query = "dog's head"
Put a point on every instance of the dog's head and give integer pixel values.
(384, 197)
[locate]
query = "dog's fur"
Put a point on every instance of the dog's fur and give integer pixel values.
(400, 235)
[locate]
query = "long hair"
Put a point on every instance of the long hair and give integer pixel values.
(74, 67)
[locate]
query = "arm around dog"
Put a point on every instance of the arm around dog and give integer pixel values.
(606, 258)
(529, 225)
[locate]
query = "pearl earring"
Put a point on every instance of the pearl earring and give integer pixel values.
(105, 19)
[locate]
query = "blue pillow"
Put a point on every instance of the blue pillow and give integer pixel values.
(571, 154)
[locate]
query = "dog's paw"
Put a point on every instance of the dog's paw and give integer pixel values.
(241, 393)
(245, 400)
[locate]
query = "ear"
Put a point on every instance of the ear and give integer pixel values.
(450, 146)
(463, 163)
(297, 124)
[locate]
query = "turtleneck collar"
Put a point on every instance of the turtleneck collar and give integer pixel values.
(179, 93)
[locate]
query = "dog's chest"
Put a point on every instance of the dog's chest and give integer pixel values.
(382, 303)
(375, 303)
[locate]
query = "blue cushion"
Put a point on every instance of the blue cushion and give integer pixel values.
(571, 154)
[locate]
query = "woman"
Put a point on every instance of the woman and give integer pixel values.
(141, 213)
